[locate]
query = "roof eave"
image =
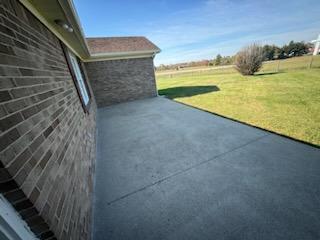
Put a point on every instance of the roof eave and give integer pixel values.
(121, 55)
(48, 12)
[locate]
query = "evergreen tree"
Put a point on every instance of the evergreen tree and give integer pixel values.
(218, 60)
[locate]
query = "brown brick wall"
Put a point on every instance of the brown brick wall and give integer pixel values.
(47, 141)
(117, 81)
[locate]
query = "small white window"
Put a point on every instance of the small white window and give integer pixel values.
(79, 78)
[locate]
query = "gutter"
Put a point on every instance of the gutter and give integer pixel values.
(121, 55)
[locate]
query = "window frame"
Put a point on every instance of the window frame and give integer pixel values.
(12, 226)
(67, 52)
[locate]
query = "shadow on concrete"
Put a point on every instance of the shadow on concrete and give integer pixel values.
(178, 92)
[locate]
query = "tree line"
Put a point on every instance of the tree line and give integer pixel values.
(249, 59)
(269, 52)
(293, 49)
(272, 52)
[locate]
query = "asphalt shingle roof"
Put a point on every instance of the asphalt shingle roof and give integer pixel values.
(120, 44)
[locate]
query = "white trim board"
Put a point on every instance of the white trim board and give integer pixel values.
(12, 225)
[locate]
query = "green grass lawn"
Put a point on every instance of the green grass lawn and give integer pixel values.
(287, 102)
(292, 63)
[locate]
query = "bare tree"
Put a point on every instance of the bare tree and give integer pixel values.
(249, 59)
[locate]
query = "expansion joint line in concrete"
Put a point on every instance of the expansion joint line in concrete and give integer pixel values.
(186, 169)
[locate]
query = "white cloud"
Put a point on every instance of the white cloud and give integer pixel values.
(224, 26)
(231, 46)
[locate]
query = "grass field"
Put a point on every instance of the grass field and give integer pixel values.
(304, 62)
(286, 102)
(292, 63)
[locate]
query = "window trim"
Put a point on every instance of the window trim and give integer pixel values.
(66, 52)
(12, 225)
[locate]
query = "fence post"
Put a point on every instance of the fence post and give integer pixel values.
(311, 61)
(278, 68)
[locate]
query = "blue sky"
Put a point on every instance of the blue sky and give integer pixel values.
(200, 29)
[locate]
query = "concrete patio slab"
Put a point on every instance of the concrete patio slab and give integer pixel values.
(168, 171)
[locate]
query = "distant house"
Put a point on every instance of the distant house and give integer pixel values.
(182, 66)
(52, 79)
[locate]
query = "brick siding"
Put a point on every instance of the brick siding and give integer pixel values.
(117, 81)
(47, 141)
